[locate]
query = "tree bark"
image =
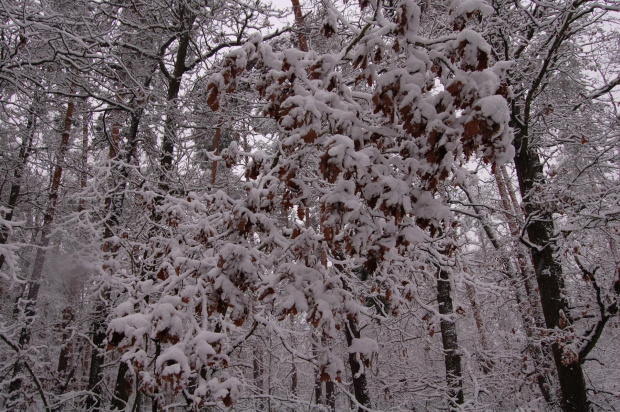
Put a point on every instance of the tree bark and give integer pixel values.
(216, 150)
(67, 348)
(24, 153)
(84, 165)
(330, 395)
(471, 295)
(299, 22)
(548, 270)
(511, 211)
(100, 314)
(114, 205)
(122, 389)
(68, 314)
(360, 386)
(174, 85)
(449, 337)
(536, 351)
(258, 372)
(294, 377)
(32, 289)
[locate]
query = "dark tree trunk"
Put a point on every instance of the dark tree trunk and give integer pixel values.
(155, 399)
(471, 295)
(76, 285)
(548, 272)
(318, 389)
(360, 387)
(299, 22)
(452, 354)
(32, 289)
(95, 375)
(67, 348)
(174, 85)
(216, 150)
(24, 153)
(536, 350)
(113, 204)
(258, 373)
(122, 389)
(318, 385)
(330, 395)
(84, 165)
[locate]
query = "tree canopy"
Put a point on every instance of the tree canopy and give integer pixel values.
(381, 205)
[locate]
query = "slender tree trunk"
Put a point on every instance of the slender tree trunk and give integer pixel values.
(449, 337)
(330, 395)
(216, 150)
(294, 377)
(318, 389)
(360, 386)
(66, 353)
(258, 373)
(100, 313)
(155, 399)
(511, 212)
(299, 22)
(511, 193)
(24, 153)
(471, 295)
(535, 350)
(174, 86)
(318, 385)
(66, 350)
(540, 231)
(122, 389)
(84, 165)
(34, 284)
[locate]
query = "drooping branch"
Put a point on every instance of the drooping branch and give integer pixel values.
(606, 312)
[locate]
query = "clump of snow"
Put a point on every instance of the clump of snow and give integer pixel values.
(173, 365)
(463, 7)
(128, 330)
(364, 346)
(495, 108)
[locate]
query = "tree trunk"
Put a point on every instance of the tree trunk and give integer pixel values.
(67, 351)
(452, 354)
(24, 153)
(511, 212)
(100, 314)
(174, 85)
(318, 389)
(330, 395)
(84, 165)
(318, 385)
(299, 22)
(122, 389)
(535, 350)
(548, 270)
(471, 295)
(258, 373)
(114, 203)
(34, 284)
(67, 348)
(216, 150)
(360, 387)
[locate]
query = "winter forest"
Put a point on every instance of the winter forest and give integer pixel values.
(327, 205)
